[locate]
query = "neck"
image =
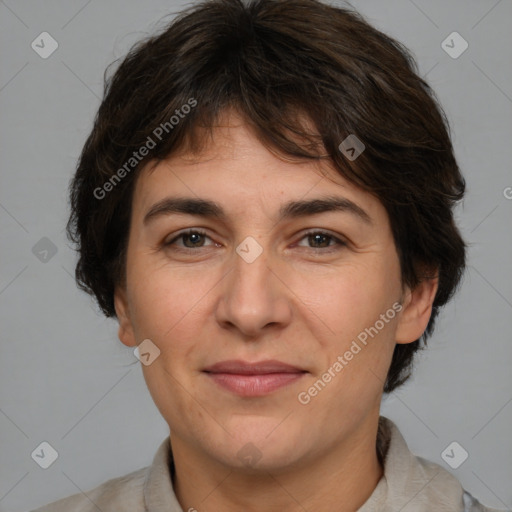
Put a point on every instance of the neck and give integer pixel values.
(342, 478)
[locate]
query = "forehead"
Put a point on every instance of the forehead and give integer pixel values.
(236, 170)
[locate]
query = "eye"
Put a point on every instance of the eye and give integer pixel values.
(192, 239)
(322, 239)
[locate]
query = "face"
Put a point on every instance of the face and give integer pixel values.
(295, 289)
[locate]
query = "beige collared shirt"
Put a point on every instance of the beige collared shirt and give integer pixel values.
(409, 484)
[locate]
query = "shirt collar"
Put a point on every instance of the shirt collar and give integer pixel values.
(410, 483)
(158, 489)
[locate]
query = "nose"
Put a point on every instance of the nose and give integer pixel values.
(254, 297)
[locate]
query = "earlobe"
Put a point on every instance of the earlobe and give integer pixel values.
(417, 308)
(125, 331)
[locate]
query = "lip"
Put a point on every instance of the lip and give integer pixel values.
(253, 379)
(239, 367)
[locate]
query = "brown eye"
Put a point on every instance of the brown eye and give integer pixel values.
(322, 240)
(319, 238)
(192, 239)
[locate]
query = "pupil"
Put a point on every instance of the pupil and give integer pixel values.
(318, 237)
(194, 240)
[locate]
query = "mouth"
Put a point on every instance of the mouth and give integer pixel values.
(253, 379)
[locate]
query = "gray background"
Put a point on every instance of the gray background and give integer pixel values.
(64, 376)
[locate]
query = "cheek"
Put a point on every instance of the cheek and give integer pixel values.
(344, 311)
(167, 298)
(345, 300)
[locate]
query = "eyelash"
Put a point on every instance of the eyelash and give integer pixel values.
(200, 232)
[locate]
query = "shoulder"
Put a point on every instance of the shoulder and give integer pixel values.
(441, 484)
(141, 490)
(122, 493)
(419, 483)
(471, 504)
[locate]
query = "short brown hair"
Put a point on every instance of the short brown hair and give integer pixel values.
(277, 63)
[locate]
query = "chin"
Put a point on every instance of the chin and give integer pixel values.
(258, 445)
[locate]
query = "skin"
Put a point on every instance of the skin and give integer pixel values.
(301, 301)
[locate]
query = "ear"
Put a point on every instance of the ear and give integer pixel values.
(417, 308)
(125, 332)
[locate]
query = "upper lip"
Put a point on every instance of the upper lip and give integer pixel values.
(239, 367)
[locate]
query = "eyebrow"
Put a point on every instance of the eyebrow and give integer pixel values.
(293, 209)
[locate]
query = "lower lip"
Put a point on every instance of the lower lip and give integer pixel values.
(254, 385)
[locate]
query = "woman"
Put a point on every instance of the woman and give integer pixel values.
(265, 205)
